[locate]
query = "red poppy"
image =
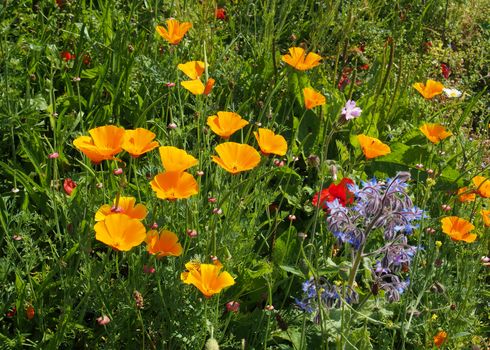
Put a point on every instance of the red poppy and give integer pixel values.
(220, 13)
(69, 185)
(340, 192)
(445, 70)
(67, 56)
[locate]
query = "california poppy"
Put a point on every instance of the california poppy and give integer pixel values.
(236, 157)
(226, 123)
(193, 69)
(175, 159)
(208, 278)
(458, 229)
(175, 31)
(139, 141)
(162, 244)
(269, 142)
(440, 338)
(174, 185)
(430, 89)
(120, 232)
(313, 98)
(372, 147)
(465, 195)
(485, 213)
(125, 205)
(482, 186)
(103, 143)
(340, 192)
(435, 132)
(297, 59)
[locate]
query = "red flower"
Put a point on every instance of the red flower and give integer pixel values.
(67, 56)
(220, 13)
(11, 313)
(364, 67)
(445, 70)
(340, 192)
(69, 185)
(30, 312)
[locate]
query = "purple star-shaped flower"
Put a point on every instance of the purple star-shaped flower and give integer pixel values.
(350, 111)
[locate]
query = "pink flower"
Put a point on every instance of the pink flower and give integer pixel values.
(54, 155)
(103, 320)
(148, 269)
(69, 185)
(232, 306)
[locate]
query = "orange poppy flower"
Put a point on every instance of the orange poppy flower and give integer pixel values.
(482, 185)
(270, 142)
(139, 141)
(175, 31)
(193, 69)
(435, 132)
(465, 195)
(372, 147)
(485, 213)
(313, 98)
(458, 229)
(430, 89)
(103, 143)
(208, 278)
(236, 157)
(226, 123)
(175, 159)
(174, 185)
(126, 205)
(440, 338)
(296, 58)
(120, 232)
(162, 244)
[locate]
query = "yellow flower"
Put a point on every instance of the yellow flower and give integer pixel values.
(482, 185)
(207, 278)
(313, 98)
(139, 141)
(435, 132)
(372, 147)
(458, 229)
(466, 195)
(485, 213)
(120, 232)
(236, 157)
(226, 123)
(296, 58)
(162, 244)
(175, 31)
(175, 159)
(438, 244)
(429, 90)
(174, 185)
(103, 143)
(194, 70)
(270, 142)
(126, 205)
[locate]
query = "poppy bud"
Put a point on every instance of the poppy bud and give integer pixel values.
(232, 306)
(269, 308)
(172, 126)
(291, 217)
(53, 155)
(191, 233)
(69, 185)
(117, 171)
(103, 320)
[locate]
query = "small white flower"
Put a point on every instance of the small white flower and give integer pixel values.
(452, 93)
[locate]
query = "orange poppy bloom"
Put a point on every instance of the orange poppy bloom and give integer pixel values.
(440, 338)
(103, 143)
(174, 185)
(435, 132)
(120, 232)
(236, 157)
(193, 69)
(162, 244)
(372, 147)
(126, 205)
(139, 141)
(297, 59)
(313, 98)
(482, 185)
(430, 89)
(226, 123)
(175, 159)
(458, 229)
(208, 278)
(270, 142)
(485, 213)
(465, 195)
(175, 31)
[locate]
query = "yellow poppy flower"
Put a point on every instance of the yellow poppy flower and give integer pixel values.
(430, 89)
(162, 244)
(139, 141)
(120, 232)
(126, 205)
(435, 132)
(175, 159)
(269, 142)
(465, 195)
(482, 185)
(296, 58)
(226, 123)
(372, 147)
(174, 185)
(458, 229)
(485, 213)
(236, 157)
(175, 31)
(313, 98)
(208, 278)
(193, 69)
(103, 143)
